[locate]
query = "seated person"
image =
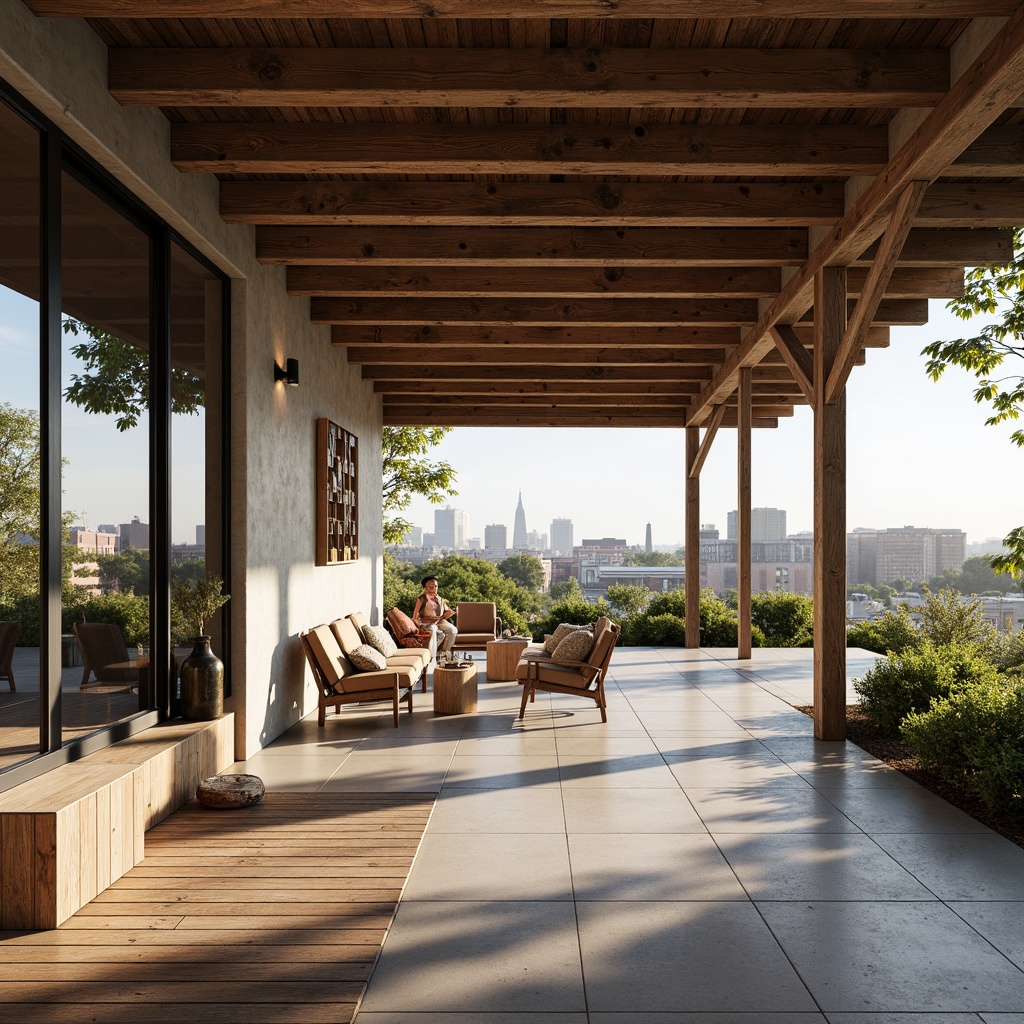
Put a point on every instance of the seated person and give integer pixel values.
(431, 611)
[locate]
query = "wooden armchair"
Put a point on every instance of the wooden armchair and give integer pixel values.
(477, 623)
(340, 683)
(9, 633)
(539, 671)
(104, 654)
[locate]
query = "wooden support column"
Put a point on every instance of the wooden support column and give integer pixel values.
(829, 511)
(743, 570)
(692, 539)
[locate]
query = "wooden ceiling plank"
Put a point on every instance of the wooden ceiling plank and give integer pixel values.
(878, 277)
(517, 9)
(515, 77)
(988, 86)
(775, 150)
(543, 204)
(593, 375)
(796, 357)
(631, 390)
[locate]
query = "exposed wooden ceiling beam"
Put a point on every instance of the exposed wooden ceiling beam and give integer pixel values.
(526, 336)
(338, 148)
(601, 247)
(580, 312)
(581, 204)
(438, 355)
(987, 87)
(543, 204)
(517, 77)
(591, 374)
(594, 282)
(596, 416)
(525, 9)
(542, 390)
(771, 150)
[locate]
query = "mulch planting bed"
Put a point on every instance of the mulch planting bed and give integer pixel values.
(895, 753)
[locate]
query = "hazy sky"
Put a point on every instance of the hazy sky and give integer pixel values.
(919, 454)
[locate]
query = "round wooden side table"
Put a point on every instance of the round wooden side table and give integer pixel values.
(454, 690)
(503, 656)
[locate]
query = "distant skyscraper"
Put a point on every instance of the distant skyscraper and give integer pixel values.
(451, 528)
(520, 540)
(766, 524)
(561, 537)
(496, 537)
(648, 546)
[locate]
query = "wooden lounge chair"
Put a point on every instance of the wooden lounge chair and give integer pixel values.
(340, 683)
(9, 633)
(539, 671)
(478, 624)
(104, 654)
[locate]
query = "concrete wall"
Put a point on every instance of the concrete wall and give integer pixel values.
(60, 66)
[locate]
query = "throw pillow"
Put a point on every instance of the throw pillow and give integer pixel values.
(412, 641)
(575, 647)
(401, 623)
(380, 640)
(561, 632)
(366, 659)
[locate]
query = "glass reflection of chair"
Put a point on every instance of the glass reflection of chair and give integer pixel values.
(104, 655)
(9, 633)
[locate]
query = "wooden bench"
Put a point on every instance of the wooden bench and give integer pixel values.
(67, 835)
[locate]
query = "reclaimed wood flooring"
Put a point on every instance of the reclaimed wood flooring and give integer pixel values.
(273, 913)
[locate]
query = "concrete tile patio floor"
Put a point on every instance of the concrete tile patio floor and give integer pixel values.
(700, 859)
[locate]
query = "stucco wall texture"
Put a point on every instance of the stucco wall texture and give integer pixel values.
(60, 66)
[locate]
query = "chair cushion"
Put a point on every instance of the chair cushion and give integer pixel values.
(575, 646)
(366, 658)
(358, 620)
(562, 630)
(364, 682)
(329, 657)
(401, 624)
(549, 672)
(418, 658)
(379, 639)
(348, 636)
(476, 617)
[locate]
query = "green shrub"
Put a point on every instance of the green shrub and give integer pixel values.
(128, 612)
(576, 610)
(946, 618)
(910, 681)
(894, 632)
(1009, 653)
(654, 631)
(973, 738)
(785, 620)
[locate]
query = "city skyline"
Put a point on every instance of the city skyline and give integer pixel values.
(919, 454)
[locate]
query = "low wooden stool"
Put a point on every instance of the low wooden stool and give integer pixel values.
(454, 690)
(227, 791)
(503, 656)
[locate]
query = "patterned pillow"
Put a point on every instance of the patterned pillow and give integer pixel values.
(380, 640)
(561, 632)
(401, 623)
(366, 658)
(575, 647)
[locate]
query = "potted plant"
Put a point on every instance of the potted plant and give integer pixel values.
(193, 603)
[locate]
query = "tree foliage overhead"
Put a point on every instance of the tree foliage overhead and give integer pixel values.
(116, 378)
(992, 356)
(407, 471)
(19, 500)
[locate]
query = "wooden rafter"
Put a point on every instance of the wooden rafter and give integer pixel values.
(433, 77)
(867, 306)
(600, 247)
(591, 282)
(735, 150)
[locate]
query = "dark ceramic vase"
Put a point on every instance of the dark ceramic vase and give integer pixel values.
(202, 683)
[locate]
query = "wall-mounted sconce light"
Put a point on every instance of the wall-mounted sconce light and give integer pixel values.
(289, 373)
